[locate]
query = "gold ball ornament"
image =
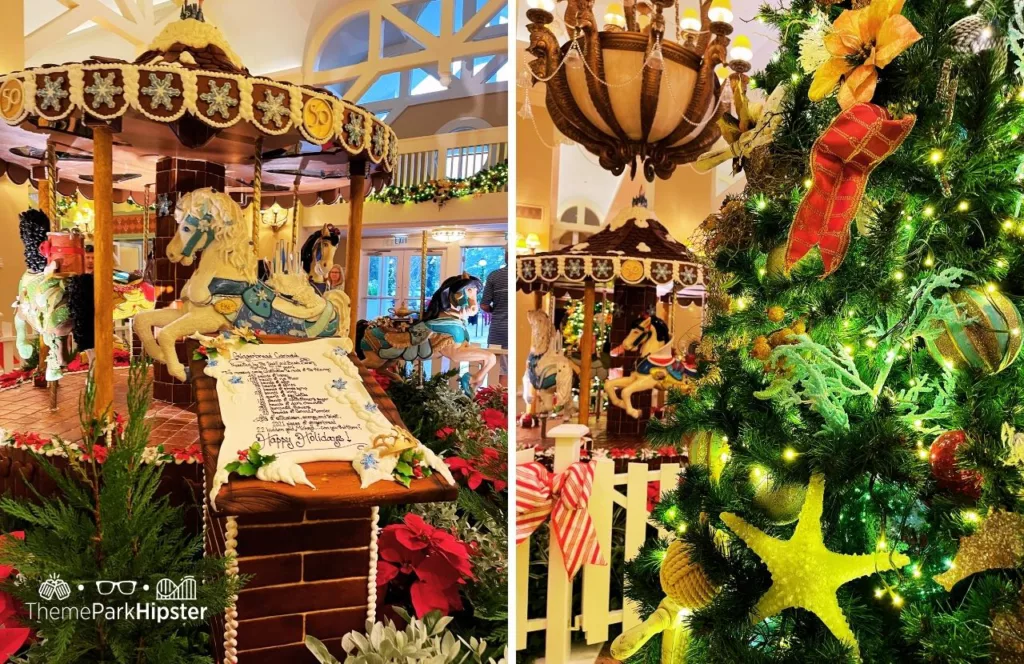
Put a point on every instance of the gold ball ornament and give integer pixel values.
(776, 314)
(685, 581)
(780, 503)
(709, 449)
(776, 266)
(987, 334)
(762, 349)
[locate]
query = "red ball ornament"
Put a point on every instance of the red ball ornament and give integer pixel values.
(951, 477)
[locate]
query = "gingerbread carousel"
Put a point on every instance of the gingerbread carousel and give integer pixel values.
(636, 265)
(190, 133)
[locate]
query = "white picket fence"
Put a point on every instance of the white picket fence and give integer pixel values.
(628, 490)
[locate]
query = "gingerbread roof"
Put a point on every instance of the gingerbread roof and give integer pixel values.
(634, 247)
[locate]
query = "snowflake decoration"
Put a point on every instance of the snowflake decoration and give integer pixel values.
(574, 269)
(548, 268)
(368, 461)
(103, 90)
(339, 383)
(235, 380)
(220, 100)
(661, 272)
(378, 140)
(355, 130)
(212, 363)
(689, 275)
(52, 93)
(529, 270)
(164, 206)
(162, 91)
(273, 108)
(340, 352)
(603, 270)
(371, 407)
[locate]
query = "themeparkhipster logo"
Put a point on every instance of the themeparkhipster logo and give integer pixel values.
(170, 605)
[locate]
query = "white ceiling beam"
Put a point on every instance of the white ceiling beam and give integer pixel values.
(55, 30)
(408, 26)
(480, 19)
(146, 9)
(128, 9)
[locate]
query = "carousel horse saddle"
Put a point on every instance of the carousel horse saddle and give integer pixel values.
(263, 300)
(546, 379)
(675, 369)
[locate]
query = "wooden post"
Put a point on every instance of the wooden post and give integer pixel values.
(357, 198)
(567, 452)
(45, 203)
(257, 196)
(103, 272)
(586, 351)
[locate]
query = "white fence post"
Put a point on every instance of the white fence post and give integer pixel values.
(522, 571)
(567, 452)
(597, 579)
(636, 530)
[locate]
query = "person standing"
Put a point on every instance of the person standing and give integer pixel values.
(495, 302)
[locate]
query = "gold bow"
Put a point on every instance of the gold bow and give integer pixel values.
(753, 126)
(394, 444)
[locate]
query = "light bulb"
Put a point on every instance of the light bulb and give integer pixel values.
(546, 5)
(690, 20)
(741, 49)
(574, 59)
(615, 17)
(963, 206)
(722, 72)
(656, 61)
(789, 454)
(936, 156)
(532, 240)
(720, 11)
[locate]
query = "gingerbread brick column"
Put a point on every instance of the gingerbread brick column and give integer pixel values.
(631, 302)
(309, 578)
(174, 178)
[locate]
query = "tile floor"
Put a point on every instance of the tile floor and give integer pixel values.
(27, 408)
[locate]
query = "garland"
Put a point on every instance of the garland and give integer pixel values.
(442, 190)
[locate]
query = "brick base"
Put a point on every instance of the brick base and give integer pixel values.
(310, 571)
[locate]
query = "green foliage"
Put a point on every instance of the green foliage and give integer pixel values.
(434, 406)
(421, 642)
(110, 523)
(859, 398)
(488, 180)
(253, 462)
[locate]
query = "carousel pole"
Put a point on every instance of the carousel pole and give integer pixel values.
(295, 217)
(357, 199)
(423, 296)
(257, 196)
(48, 205)
(586, 351)
(103, 272)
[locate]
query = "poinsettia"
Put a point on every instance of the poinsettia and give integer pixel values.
(861, 42)
(32, 441)
(193, 451)
(98, 453)
(475, 471)
(494, 418)
(12, 634)
(492, 397)
(381, 379)
(433, 559)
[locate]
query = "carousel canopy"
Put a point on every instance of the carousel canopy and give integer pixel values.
(189, 96)
(633, 249)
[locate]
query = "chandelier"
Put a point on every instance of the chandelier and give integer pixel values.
(448, 234)
(627, 91)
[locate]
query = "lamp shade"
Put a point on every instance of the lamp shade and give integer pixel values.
(741, 49)
(690, 21)
(720, 11)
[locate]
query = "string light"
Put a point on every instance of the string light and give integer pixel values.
(898, 275)
(964, 206)
(971, 516)
(915, 571)
(990, 287)
(789, 454)
(879, 593)
(929, 211)
(897, 600)
(681, 529)
(807, 183)
(1008, 225)
(871, 343)
(671, 513)
(882, 545)
(929, 261)
(762, 272)
(936, 156)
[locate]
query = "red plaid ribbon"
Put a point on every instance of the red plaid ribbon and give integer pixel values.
(858, 140)
(564, 497)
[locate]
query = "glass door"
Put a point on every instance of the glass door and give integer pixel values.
(393, 278)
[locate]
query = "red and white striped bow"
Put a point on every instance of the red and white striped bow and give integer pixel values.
(564, 497)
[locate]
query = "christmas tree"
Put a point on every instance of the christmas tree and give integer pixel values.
(855, 492)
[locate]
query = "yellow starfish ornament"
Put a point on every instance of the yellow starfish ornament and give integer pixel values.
(804, 573)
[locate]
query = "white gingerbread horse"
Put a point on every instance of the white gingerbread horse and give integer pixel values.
(660, 365)
(548, 372)
(224, 290)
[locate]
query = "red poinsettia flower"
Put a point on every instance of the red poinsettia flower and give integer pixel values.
(12, 634)
(653, 494)
(32, 441)
(668, 451)
(99, 454)
(381, 379)
(476, 471)
(119, 422)
(437, 561)
(193, 451)
(494, 419)
(444, 433)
